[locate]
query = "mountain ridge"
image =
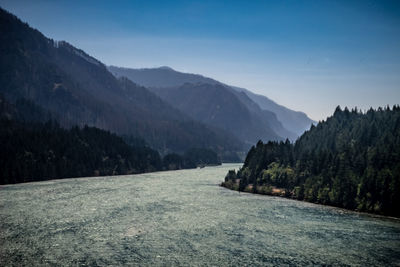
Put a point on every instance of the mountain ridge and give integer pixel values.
(292, 122)
(217, 106)
(79, 90)
(285, 115)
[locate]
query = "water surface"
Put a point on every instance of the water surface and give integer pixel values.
(181, 218)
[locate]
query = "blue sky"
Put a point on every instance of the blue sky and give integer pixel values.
(306, 55)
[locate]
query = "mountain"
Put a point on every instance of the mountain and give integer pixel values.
(159, 77)
(351, 160)
(218, 106)
(35, 148)
(77, 89)
(292, 123)
(214, 104)
(266, 118)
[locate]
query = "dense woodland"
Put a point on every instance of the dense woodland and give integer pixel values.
(35, 147)
(41, 151)
(351, 160)
(192, 158)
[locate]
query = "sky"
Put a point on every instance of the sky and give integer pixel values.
(309, 56)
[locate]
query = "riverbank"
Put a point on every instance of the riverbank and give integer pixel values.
(97, 174)
(282, 192)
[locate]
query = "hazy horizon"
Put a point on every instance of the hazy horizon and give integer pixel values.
(310, 56)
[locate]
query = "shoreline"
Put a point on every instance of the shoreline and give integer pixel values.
(370, 214)
(115, 175)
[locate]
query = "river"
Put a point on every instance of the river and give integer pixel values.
(181, 218)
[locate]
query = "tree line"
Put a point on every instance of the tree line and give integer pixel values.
(351, 160)
(41, 151)
(34, 147)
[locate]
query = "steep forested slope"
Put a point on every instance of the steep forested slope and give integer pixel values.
(36, 148)
(351, 160)
(33, 147)
(78, 90)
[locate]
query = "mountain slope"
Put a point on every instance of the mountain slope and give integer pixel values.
(34, 148)
(159, 77)
(215, 104)
(293, 123)
(78, 89)
(218, 106)
(265, 117)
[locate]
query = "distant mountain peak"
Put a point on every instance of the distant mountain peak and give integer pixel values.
(166, 68)
(293, 121)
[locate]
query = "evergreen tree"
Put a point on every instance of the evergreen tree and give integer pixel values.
(351, 160)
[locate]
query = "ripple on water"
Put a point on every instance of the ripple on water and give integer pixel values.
(181, 218)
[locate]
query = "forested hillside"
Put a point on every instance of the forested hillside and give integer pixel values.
(34, 147)
(351, 160)
(77, 89)
(42, 151)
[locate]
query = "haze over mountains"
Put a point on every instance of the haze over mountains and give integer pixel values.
(282, 122)
(77, 89)
(177, 111)
(216, 105)
(294, 121)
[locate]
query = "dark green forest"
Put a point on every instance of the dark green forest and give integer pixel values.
(351, 160)
(34, 147)
(40, 151)
(192, 158)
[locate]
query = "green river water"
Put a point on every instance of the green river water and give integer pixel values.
(181, 218)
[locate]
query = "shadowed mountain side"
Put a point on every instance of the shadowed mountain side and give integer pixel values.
(218, 106)
(78, 89)
(292, 125)
(267, 118)
(294, 121)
